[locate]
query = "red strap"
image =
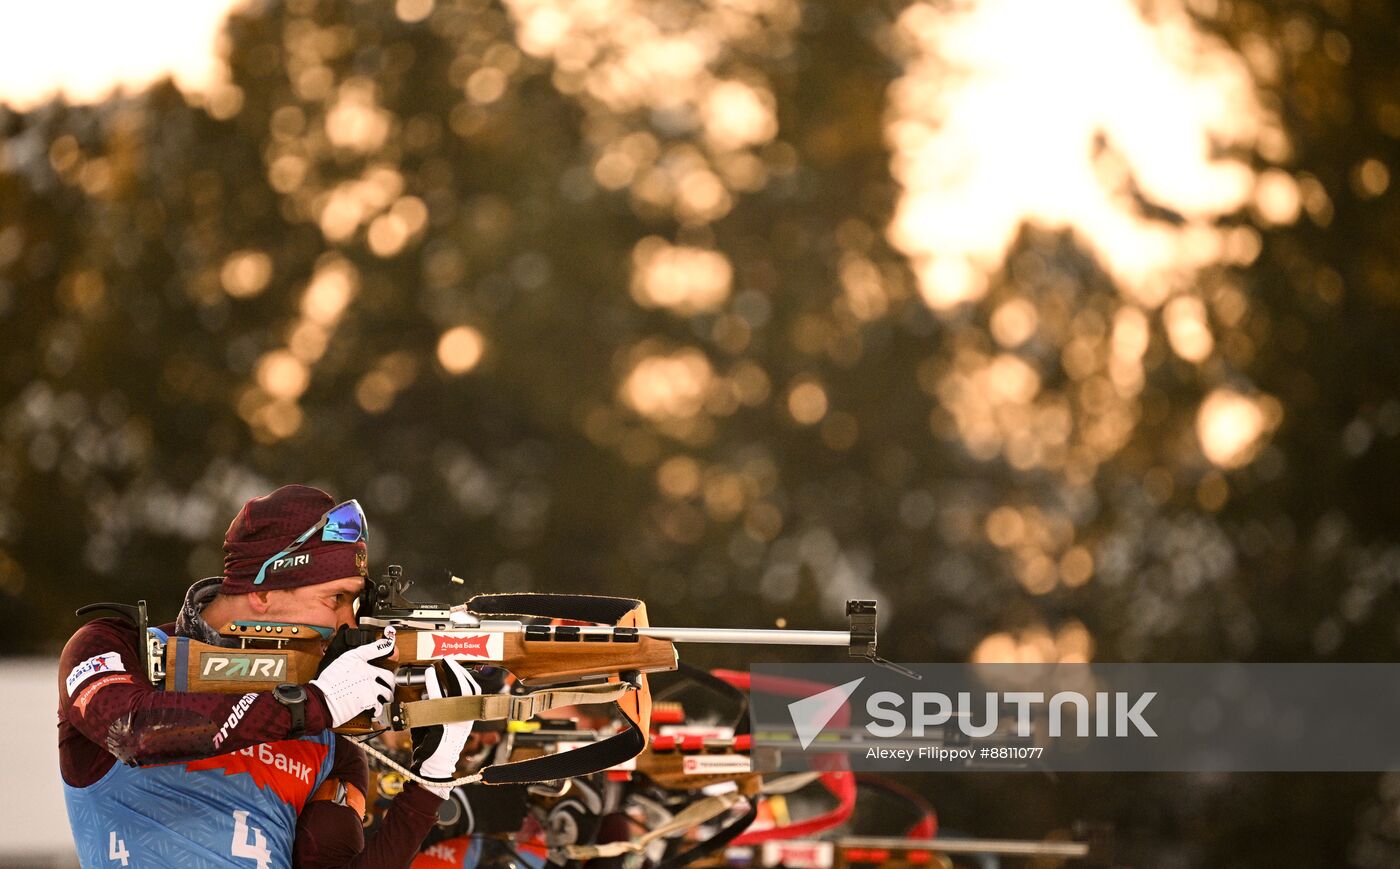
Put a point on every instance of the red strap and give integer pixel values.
(841, 785)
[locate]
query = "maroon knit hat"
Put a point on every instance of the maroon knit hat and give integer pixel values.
(267, 525)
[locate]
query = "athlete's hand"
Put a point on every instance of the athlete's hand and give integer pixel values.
(350, 683)
(489, 810)
(437, 749)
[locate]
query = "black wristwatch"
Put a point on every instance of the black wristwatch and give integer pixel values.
(294, 698)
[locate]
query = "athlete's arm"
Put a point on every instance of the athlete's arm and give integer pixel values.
(104, 697)
(329, 831)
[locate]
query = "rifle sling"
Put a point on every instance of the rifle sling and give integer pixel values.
(489, 707)
(719, 840)
(580, 607)
(585, 760)
(692, 816)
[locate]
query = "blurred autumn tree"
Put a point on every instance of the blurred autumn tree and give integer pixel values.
(656, 299)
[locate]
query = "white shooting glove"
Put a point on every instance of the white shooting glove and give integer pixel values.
(437, 749)
(351, 684)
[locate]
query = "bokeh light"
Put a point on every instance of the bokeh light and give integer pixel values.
(1229, 426)
(460, 349)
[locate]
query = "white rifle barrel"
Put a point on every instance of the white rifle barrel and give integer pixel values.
(1009, 847)
(751, 636)
(727, 636)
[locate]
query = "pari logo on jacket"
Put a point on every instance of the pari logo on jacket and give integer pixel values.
(470, 645)
(107, 662)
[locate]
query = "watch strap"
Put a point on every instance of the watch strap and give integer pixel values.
(297, 709)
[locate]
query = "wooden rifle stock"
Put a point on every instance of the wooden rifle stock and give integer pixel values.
(273, 654)
(542, 660)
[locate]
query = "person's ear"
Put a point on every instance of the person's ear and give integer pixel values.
(257, 602)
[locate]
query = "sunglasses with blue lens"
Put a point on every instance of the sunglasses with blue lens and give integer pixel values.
(343, 523)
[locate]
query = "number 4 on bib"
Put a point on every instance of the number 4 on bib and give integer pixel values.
(116, 848)
(249, 842)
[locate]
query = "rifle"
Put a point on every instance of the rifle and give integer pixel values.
(674, 763)
(556, 665)
(677, 781)
(893, 852)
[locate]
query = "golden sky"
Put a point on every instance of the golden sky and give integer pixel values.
(85, 48)
(1007, 113)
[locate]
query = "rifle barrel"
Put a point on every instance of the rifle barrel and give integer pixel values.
(1017, 847)
(749, 636)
